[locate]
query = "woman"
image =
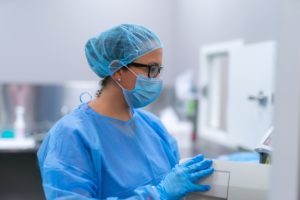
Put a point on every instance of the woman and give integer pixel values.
(107, 148)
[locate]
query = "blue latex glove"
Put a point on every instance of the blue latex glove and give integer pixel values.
(181, 180)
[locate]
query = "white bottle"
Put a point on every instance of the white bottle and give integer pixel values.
(19, 125)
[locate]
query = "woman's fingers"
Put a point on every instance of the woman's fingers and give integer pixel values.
(201, 188)
(199, 166)
(193, 160)
(201, 174)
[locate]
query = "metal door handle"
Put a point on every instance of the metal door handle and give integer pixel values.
(261, 98)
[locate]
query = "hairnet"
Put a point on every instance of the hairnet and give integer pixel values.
(119, 46)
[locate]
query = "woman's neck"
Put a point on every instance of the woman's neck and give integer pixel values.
(111, 103)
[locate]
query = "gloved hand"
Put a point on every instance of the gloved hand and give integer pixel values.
(181, 180)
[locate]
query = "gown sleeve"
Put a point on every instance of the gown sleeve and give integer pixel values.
(68, 171)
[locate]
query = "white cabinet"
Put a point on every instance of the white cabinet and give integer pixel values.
(236, 100)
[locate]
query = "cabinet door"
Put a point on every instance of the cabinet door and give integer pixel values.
(250, 93)
(214, 83)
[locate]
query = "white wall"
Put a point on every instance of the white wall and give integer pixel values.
(286, 166)
(43, 40)
(210, 21)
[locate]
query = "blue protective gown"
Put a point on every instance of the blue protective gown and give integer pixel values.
(91, 156)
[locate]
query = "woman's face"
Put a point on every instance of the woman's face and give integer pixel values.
(128, 79)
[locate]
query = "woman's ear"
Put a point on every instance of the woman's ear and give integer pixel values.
(117, 76)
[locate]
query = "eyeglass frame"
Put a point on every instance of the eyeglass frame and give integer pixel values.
(150, 66)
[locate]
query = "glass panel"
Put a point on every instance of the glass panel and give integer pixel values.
(217, 91)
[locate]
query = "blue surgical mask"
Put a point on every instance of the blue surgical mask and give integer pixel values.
(146, 91)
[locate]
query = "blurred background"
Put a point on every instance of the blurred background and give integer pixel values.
(219, 76)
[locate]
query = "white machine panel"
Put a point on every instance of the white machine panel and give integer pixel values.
(236, 181)
(220, 181)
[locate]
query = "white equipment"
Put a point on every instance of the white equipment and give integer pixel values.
(236, 181)
(265, 145)
(237, 92)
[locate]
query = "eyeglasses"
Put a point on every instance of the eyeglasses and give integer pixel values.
(153, 69)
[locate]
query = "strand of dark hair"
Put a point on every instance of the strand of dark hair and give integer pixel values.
(102, 85)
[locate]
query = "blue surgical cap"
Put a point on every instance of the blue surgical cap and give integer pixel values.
(119, 46)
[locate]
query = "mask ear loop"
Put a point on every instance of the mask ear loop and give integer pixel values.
(131, 111)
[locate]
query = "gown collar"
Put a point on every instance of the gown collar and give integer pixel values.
(85, 107)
